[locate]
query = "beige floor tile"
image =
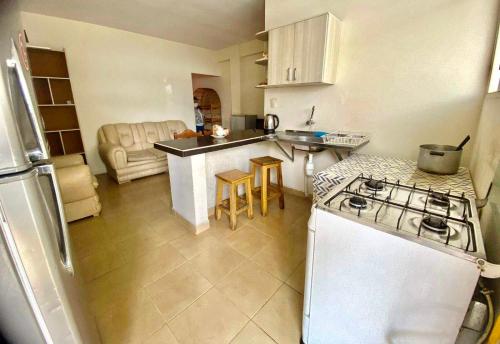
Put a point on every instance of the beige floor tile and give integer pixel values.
(216, 262)
(252, 334)
(221, 228)
(191, 245)
(281, 317)
(157, 263)
(249, 287)
(101, 261)
(248, 241)
(212, 319)
(177, 290)
(276, 261)
(297, 279)
(130, 322)
(167, 227)
(162, 336)
(137, 245)
(154, 283)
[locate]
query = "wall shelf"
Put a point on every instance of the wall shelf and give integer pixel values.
(262, 35)
(262, 61)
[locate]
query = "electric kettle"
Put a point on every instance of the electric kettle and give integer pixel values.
(271, 122)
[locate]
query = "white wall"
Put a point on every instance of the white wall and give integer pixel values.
(484, 164)
(119, 76)
(410, 72)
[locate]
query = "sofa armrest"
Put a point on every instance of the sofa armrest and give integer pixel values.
(113, 155)
(76, 183)
(62, 161)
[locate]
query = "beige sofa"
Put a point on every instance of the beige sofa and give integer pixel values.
(127, 149)
(78, 187)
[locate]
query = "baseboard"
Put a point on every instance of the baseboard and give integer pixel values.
(196, 229)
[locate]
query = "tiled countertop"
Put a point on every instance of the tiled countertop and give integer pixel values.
(393, 169)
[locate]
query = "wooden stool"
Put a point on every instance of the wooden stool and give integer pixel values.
(234, 205)
(266, 190)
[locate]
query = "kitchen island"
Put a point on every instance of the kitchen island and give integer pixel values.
(193, 164)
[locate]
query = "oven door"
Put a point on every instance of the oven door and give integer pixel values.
(20, 122)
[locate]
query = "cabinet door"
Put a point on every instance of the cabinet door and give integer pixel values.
(309, 50)
(281, 53)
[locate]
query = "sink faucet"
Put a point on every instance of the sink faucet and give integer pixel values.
(310, 121)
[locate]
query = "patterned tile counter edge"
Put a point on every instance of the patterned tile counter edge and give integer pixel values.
(393, 169)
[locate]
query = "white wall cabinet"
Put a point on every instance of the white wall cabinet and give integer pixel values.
(304, 53)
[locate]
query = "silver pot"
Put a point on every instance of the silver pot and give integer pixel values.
(439, 159)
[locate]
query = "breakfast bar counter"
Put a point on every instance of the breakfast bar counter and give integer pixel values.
(205, 144)
(193, 164)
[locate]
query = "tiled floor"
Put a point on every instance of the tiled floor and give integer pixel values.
(149, 280)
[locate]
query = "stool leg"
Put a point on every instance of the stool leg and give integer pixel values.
(232, 206)
(263, 191)
(218, 200)
(279, 176)
(249, 199)
(253, 170)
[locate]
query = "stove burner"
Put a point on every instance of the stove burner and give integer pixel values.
(357, 202)
(374, 185)
(435, 224)
(439, 199)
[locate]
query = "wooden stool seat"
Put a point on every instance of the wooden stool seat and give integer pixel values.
(267, 191)
(266, 160)
(233, 176)
(235, 204)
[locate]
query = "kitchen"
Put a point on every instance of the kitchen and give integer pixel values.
(403, 78)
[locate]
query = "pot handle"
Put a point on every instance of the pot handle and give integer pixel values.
(436, 153)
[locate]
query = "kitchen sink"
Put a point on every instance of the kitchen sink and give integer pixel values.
(303, 137)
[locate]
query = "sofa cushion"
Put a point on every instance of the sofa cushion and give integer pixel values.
(140, 155)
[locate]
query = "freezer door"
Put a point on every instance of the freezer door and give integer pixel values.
(33, 211)
(22, 139)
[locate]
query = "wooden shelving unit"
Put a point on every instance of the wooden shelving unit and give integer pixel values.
(55, 101)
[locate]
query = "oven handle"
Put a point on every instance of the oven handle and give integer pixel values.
(15, 63)
(49, 170)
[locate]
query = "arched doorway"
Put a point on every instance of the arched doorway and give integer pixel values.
(210, 106)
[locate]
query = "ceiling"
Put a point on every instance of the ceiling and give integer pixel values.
(212, 24)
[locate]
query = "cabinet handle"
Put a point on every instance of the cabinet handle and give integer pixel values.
(294, 74)
(288, 74)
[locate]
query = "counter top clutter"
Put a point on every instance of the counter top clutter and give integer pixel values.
(392, 168)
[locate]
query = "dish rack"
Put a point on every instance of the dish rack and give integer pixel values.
(345, 138)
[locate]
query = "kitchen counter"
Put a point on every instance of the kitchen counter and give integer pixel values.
(393, 169)
(194, 162)
(205, 144)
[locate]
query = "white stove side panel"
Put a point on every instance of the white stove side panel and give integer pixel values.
(372, 287)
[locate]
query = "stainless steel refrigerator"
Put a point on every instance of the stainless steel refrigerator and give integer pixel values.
(40, 300)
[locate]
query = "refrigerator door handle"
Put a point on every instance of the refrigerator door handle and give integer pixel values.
(15, 63)
(64, 247)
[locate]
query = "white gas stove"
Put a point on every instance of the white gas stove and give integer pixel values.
(390, 263)
(445, 220)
